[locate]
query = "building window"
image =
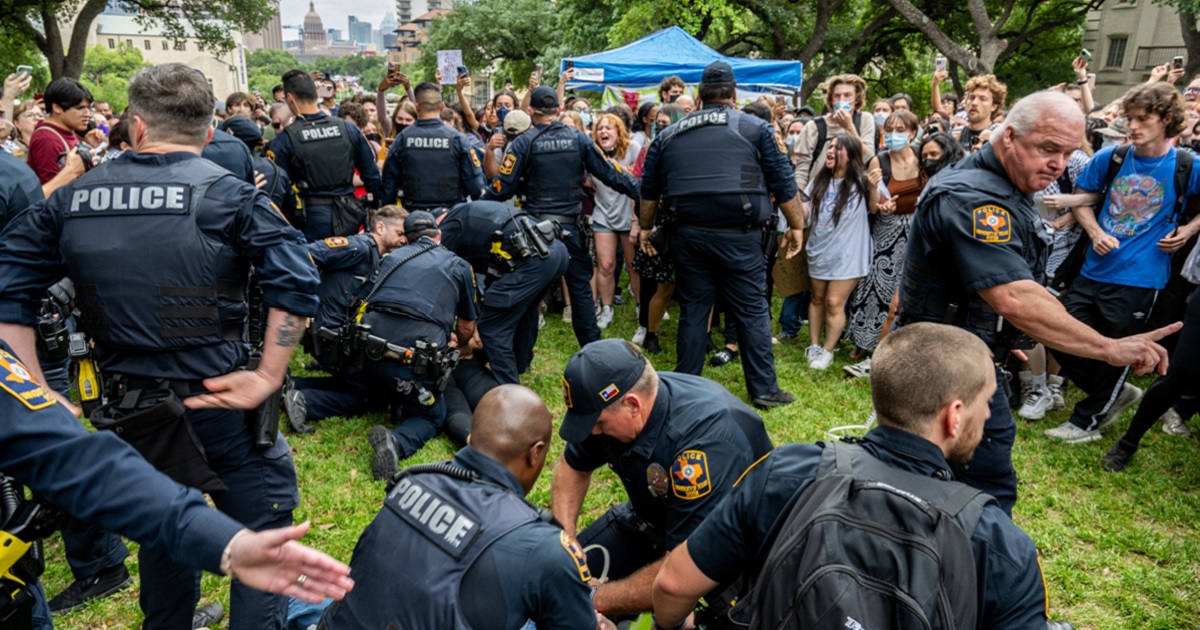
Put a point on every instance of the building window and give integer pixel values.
(1116, 52)
(165, 45)
(146, 44)
(112, 44)
(181, 45)
(129, 42)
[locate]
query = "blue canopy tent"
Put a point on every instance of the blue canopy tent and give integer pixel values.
(672, 51)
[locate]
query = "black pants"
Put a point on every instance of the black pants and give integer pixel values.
(470, 382)
(1114, 311)
(1180, 382)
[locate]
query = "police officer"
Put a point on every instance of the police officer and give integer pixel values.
(321, 154)
(909, 438)
(420, 295)
(716, 172)
(547, 166)
(678, 442)
(43, 446)
(430, 161)
(522, 261)
(275, 181)
(976, 259)
(488, 558)
(345, 263)
(175, 333)
(231, 154)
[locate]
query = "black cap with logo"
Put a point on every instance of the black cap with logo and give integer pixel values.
(596, 377)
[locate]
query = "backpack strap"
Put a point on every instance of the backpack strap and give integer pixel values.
(1183, 172)
(1114, 167)
(823, 131)
(885, 165)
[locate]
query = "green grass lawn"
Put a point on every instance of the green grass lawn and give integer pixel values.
(1118, 550)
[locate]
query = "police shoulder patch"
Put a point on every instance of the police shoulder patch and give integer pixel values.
(510, 162)
(17, 381)
(270, 155)
(577, 556)
(496, 185)
(567, 394)
(337, 241)
(475, 159)
(689, 476)
(991, 224)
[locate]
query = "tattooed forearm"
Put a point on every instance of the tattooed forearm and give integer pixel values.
(289, 331)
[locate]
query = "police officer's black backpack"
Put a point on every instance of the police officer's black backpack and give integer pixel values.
(870, 546)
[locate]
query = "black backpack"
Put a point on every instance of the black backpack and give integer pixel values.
(823, 133)
(870, 546)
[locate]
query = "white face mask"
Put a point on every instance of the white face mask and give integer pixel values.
(880, 118)
(843, 106)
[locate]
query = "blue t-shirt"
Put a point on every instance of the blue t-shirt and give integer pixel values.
(1139, 212)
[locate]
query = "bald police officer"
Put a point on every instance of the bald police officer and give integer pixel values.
(431, 162)
(546, 166)
(176, 332)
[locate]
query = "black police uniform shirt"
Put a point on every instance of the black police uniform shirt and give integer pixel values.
(345, 263)
(706, 163)
(97, 477)
(19, 187)
(696, 443)
(972, 230)
(433, 290)
(361, 157)
(739, 532)
(229, 222)
(434, 166)
(546, 166)
(467, 230)
(531, 573)
(230, 154)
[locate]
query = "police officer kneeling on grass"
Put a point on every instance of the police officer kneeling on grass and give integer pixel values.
(420, 295)
(880, 510)
(523, 257)
(159, 244)
(456, 544)
(677, 441)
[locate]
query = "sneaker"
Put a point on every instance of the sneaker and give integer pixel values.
(639, 335)
(784, 336)
(778, 399)
(722, 357)
(651, 346)
(811, 353)
(207, 615)
(666, 316)
(1035, 404)
(1072, 434)
(387, 454)
(862, 369)
(541, 321)
(1174, 425)
(1128, 397)
(567, 313)
(1117, 458)
(823, 361)
(605, 317)
(80, 592)
(618, 300)
(1055, 385)
(295, 408)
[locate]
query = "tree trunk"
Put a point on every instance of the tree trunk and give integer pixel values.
(1191, 40)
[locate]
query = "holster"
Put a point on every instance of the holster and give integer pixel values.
(263, 420)
(154, 423)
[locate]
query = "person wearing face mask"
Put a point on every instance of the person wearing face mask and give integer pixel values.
(845, 97)
(880, 111)
(873, 302)
(939, 150)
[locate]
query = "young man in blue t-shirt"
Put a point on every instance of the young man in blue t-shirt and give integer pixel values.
(1133, 237)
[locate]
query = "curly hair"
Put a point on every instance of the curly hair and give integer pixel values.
(1162, 99)
(618, 125)
(860, 89)
(990, 83)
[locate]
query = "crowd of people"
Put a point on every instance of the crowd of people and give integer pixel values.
(1049, 239)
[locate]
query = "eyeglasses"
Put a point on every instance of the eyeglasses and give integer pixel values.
(1191, 89)
(31, 114)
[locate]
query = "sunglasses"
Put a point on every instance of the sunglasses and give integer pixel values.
(277, 126)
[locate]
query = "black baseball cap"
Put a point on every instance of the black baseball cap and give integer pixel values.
(243, 129)
(596, 377)
(543, 96)
(717, 72)
(418, 221)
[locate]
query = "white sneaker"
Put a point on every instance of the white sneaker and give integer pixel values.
(639, 335)
(605, 317)
(567, 313)
(541, 321)
(1035, 404)
(1128, 397)
(666, 316)
(862, 369)
(1174, 425)
(823, 361)
(1055, 385)
(811, 353)
(1072, 434)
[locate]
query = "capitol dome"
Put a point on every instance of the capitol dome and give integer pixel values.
(314, 29)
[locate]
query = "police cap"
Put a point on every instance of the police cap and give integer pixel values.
(243, 129)
(717, 72)
(543, 96)
(419, 221)
(595, 377)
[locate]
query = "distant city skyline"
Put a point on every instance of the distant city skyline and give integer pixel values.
(334, 13)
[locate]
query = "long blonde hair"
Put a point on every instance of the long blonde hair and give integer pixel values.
(622, 144)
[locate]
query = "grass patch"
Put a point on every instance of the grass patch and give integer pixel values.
(1118, 550)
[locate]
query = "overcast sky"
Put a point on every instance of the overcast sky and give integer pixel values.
(333, 13)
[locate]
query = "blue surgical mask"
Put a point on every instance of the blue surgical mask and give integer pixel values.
(843, 106)
(587, 118)
(895, 141)
(880, 118)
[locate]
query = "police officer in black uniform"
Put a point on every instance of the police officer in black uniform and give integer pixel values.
(976, 259)
(678, 442)
(320, 154)
(346, 262)
(419, 296)
(739, 533)
(487, 559)
(159, 245)
(275, 181)
(43, 446)
(546, 166)
(522, 260)
(430, 161)
(716, 171)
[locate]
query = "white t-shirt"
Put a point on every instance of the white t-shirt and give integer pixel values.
(842, 251)
(614, 210)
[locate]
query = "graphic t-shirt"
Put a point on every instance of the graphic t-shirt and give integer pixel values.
(1138, 211)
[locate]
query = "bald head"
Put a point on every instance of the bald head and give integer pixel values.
(508, 421)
